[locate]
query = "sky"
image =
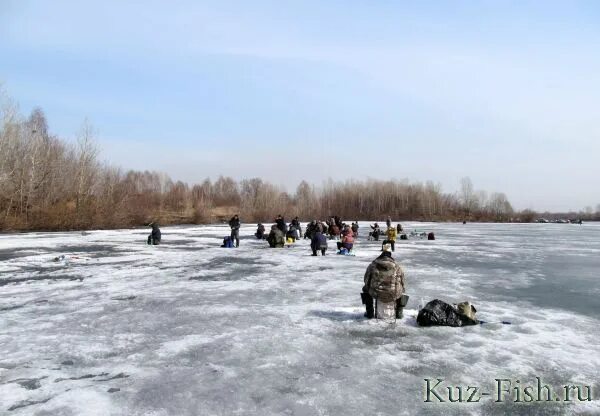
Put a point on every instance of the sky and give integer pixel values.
(505, 92)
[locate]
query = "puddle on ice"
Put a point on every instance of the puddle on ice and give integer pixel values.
(190, 328)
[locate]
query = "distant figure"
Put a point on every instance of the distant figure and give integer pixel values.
(311, 228)
(276, 238)
(384, 282)
(334, 231)
(338, 221)
(347, 241)
(260, 231)
(355, 229)
(399, 228)
(388, 222)
(464, 222)
(376, 232)
(280, 223)
(324, 226)
(431, 236)
(154, 237)
(391, 238)
(234, 223)
(346, 229)
(291, 234)
(296, 223)
(318, 242)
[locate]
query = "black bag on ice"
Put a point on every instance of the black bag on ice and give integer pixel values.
(440, 313)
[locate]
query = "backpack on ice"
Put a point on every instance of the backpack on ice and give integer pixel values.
(440, 313)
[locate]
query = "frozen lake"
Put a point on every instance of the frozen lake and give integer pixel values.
(189, 328)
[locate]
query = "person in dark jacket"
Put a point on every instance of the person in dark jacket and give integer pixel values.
(234, 223)
(338, 222)
(260, 232)
(292, 233)
(355, 229)
(376, 232)
(388, 222)
(311, 228)
(318, 242)
(399, 229)
(154, 237)
(280, 222)
(296, 223)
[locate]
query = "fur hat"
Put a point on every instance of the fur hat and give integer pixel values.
(466, 309)
(387, 247)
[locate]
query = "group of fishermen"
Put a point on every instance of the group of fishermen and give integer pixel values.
(318, 232)
(384, 282)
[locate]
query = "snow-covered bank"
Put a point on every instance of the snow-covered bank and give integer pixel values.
(190, 328)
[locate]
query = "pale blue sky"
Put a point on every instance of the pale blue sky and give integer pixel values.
(504, 92)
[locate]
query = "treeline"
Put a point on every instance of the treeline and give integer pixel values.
(49, 183)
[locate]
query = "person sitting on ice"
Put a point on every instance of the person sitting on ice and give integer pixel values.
(384, 283)
(375, 233)
(276, 238)
(260, 231)
(296, 223)
(292, 233)
(318, 242)
(347, 240)
(154, 237)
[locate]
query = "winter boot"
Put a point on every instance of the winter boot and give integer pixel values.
(368, 302)
(399, 308)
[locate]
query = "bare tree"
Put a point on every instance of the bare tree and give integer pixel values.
(467, 195)
(86, 153)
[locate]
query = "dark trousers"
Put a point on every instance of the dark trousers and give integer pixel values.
(367, 300)
(152, 241)
(235, 235)
(323, 250)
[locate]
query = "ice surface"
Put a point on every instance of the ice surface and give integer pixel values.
(189, 328)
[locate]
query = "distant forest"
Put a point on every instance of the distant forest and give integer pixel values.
(47, 183)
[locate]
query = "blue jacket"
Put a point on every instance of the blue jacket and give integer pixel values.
(319, 241)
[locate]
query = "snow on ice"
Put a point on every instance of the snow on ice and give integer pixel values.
(116, 327)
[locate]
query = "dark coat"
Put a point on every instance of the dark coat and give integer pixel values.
(318, 241)
(280, 222)
(155, 233)
(234, 223)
